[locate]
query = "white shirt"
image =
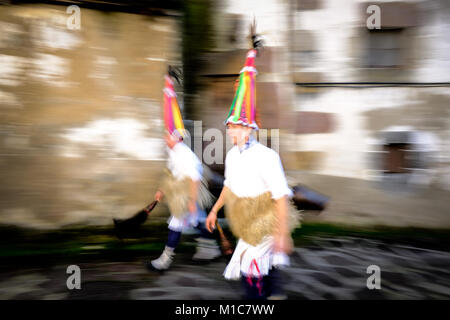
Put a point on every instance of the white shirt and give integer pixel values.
(182, 162)
(254, 171)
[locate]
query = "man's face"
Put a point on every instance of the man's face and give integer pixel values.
(238, 133)
(171, 141)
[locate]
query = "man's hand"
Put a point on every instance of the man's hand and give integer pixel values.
(159, 196)
(211, 221)
(212, 216)
(283, 243)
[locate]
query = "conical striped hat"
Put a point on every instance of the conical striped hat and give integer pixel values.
(172, 115)
(243, 107)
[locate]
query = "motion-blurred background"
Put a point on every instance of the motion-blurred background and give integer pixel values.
(362, 115)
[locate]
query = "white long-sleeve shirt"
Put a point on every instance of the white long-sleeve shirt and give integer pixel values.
(254, 171)
(182, 162)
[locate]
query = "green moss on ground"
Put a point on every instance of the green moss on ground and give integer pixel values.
(101, 242)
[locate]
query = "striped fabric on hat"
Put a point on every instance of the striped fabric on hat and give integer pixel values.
(243, 107)
(172, 115)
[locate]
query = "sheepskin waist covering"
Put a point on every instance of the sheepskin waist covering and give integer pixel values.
(177, 193)
(252, 218)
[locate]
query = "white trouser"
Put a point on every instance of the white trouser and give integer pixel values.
(254, 261)
(188, 220)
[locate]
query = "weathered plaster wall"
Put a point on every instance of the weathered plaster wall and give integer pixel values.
(80, 126)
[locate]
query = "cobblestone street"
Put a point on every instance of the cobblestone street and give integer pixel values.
(327, 268)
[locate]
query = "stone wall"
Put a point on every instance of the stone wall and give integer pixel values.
(80, 126)
(332, 53)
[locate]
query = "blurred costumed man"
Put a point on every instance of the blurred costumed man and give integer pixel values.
(183, 188)
(255, 195)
